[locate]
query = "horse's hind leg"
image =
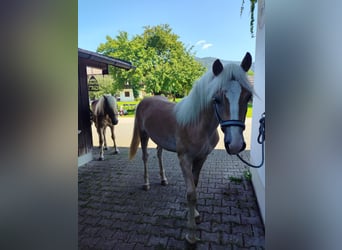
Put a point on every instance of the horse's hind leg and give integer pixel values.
(144, 141)
(161, 167)
(116, 150)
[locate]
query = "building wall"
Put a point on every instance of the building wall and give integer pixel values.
(85, 143)
(258, 175)
(126, 95)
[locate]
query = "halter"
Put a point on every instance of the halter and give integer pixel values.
(238, 123)
(228, 123)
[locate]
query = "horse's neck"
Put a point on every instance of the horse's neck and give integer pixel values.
(208, 120)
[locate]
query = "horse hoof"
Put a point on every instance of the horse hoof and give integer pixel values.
(191, 242)
(116, 152)
(146, 187)
(105, 148)
(101, 158)
(164, 182)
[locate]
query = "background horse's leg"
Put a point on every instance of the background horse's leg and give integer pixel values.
(104, 138)
(144, 141)
(191, 196)
(116, 150)
(161, 167)
(196, 169)
(100, 132)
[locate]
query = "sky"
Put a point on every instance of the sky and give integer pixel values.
(214, 27)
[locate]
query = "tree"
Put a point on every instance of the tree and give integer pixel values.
(164, 64)
(106, 86)
(124, 49)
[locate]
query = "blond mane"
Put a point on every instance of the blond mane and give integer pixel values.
(200, 97)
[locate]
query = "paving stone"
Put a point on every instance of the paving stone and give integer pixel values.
(221, 227)
(125, 246)
(242, 229)
(105, 222)
(158, 242)
(232, 239)
(175, 244)
(250, 241)
(231, 219)
(139, 246)
(138, 238)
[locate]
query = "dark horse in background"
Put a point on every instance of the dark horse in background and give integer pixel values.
(189, 127)
(105, 114)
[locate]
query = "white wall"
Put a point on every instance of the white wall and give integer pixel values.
(126, 98)
(258, 175)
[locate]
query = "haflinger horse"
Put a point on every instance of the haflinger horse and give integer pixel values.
(189, 127)
(105, 114)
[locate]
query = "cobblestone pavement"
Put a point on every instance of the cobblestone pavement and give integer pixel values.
(115, 213)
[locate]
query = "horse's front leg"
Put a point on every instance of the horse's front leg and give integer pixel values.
(104, 139)
(161, 167)
(186, 166)
(196, 169)
(116, 150)
(100, 132)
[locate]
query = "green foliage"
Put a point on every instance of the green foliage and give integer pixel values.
(106, 86)
(164, 65)
(251, 26)
(249, 110)
(247, 174)
(237, 180)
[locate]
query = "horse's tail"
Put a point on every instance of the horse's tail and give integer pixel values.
(135, 140)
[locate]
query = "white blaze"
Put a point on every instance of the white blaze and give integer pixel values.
(233, 95)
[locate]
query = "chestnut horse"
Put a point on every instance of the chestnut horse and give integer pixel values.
(189, 127)
(105, 114)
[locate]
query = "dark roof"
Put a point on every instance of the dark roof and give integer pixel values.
(90, 56)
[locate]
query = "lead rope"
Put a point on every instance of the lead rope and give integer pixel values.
(261, 140)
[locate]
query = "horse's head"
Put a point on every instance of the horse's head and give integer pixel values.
(110, 109)
(231, 101)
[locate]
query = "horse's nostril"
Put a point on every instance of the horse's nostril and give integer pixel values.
(234, 149)
(243, 146)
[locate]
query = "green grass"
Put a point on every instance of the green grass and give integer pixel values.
(131, 111)
(249, 110)
(122, 103)
(235, 179)
(128, 106)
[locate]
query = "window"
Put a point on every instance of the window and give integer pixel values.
(127, 94)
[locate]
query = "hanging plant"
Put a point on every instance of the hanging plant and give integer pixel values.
(251, 24)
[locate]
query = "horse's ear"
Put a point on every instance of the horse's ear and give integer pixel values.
(246, 62)
(217, 67)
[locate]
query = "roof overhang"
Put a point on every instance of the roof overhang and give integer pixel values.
(97, 60)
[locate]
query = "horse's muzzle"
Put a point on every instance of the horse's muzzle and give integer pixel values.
(234, 149)
(115, 121)
(233, 140)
